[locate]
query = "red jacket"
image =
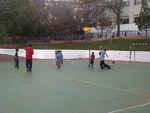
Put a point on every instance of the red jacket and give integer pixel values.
(29, 52)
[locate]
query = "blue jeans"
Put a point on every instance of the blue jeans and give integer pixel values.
(29, 64)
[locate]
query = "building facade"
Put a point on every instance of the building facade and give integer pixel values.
(130, 11)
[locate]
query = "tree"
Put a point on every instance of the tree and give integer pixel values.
(116, 8)
(144, 18)
(109, 28)
(88, 12)
(103, 22)
(41, 13)
(2, 27)
(15, 14)
(61, 20)
(2, 32)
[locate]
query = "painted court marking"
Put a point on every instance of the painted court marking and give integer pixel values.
(130, 108)
(67, 93)
(45, 88)
(95, 84)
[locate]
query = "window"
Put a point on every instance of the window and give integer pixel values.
(138, 2)
(126, 3)
(124, 21)
(121, 21)
(136, 19)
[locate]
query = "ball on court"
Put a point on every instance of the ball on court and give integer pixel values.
(100, 46)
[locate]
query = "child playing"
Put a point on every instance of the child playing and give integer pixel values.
(102, 62)
(111, 66)
(104, 53)
(56, 52)
(16, 57)
(58, 59)
(61, 57)
(92, 60)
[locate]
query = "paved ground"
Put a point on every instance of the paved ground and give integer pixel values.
(74, 88)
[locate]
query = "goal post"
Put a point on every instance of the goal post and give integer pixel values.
(133, 45)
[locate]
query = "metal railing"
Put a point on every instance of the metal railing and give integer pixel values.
(122, 34)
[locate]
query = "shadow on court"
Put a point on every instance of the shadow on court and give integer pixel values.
(74, 88)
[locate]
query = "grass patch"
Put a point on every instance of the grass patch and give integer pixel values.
(118, 44)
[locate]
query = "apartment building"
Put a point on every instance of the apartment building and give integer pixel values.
(131, 10)
(130, 14)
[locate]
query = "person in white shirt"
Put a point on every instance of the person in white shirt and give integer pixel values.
(102, 62)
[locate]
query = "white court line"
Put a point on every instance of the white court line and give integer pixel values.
(129, 108)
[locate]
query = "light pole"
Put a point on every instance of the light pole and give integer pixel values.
(88, 30)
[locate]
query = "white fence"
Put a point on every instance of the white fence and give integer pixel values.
(75, 54)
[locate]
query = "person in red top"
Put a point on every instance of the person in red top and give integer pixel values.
(29, 53)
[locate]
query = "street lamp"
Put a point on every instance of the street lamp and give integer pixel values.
(88, 30)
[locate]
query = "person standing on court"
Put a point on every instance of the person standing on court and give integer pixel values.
(29, 53)
(103, 53)
(58, 59)
(92, 60)
(16, 57)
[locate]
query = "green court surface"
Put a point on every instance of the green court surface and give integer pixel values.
(74, 88)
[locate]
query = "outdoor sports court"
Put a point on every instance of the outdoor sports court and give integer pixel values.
(74, 88)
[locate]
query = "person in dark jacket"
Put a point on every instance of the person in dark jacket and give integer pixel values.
(16, 58)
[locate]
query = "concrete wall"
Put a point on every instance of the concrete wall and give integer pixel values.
(75, 54)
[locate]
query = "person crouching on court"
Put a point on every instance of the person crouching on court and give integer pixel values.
(92, 60)
(29, 53)
(111, 66)
(16, 57)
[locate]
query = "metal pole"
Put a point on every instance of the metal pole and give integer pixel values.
(89, 48)
(130, 55)
(134, 52)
